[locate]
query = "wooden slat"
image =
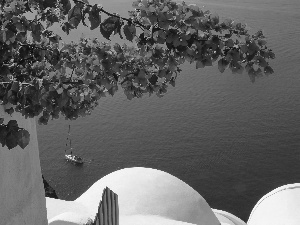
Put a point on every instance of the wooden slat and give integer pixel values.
(101, 214)
(108, 194)
(97, 222)
(104, 202)
(117, 209)
(113, 208)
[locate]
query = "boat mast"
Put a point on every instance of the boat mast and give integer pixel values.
(69, 138)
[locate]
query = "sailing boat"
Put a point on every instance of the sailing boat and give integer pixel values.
(70, 157)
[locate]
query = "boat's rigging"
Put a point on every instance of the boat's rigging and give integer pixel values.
(69, 139)
(70, 157)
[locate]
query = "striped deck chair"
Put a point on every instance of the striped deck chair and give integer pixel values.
(108, 210)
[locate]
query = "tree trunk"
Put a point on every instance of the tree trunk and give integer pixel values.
(22, 196)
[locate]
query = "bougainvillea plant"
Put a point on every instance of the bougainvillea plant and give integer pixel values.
(42, 76)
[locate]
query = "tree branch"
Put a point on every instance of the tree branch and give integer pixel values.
(114, 15)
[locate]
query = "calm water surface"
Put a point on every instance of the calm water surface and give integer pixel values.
(231, 140)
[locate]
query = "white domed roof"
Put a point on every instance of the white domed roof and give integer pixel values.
(280, 206)
(146, 191)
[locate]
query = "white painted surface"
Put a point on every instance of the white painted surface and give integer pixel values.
(146, 191)
(148, 196)
(149, 220)
(227, 218)
(279, 207)
(69, 218)
(144, 195)
(77, 219)
(22, 196)
(58, 206)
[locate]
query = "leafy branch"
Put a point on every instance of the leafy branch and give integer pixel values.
(130, 21)
(43, 77)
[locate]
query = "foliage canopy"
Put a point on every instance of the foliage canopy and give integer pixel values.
(42, 76)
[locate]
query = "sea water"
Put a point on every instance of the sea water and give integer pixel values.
(231, 140)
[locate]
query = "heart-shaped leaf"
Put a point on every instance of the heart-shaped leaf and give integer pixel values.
(74, 15)
(95, 17)
(222, 64)
(129, 31)
(110, 25)
(11, 140)
(3, 133)
(23, 138)
(12, 125)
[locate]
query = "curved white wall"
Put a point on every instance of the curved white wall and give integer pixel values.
(146, 191)
(22, 196)
(145, 196)
(228, 218)
(148, 196)
(278, 207)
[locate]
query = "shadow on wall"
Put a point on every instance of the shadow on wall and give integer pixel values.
(147, 196)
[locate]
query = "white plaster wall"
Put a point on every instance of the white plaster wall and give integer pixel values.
(22, 196)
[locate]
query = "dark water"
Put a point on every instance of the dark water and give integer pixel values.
(231, 140)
